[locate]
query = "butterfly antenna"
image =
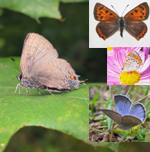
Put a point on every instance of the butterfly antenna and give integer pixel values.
(10, 67)
(15, 63)
(125, 9)
(114, 9)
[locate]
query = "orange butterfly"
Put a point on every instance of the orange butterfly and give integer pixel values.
(131, 22)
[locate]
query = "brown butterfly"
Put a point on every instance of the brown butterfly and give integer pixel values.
(41, 68)
(131, 22)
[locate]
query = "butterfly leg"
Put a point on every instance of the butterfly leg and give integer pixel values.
(19, 89)
(18, 85)
(27, 92)
(39, 92)
(50, 92)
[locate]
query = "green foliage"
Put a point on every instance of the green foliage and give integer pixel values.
(36, 139)
(125, 136)
(141, 135)
(65, 112)
(36, 8)
(138, 133)
(93, 102)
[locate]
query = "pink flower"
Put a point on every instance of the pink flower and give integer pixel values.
(115, 60)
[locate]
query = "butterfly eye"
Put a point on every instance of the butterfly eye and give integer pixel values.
(19, 77)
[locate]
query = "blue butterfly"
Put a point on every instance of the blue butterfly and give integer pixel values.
(127, 116)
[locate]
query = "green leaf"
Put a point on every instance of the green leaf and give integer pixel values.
(33, 8)
(147, 105)
(66, 112)
(125, 136)
(36, 8)
(93, 102)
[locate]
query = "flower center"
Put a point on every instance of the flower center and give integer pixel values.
(129, 78)
(109, 48)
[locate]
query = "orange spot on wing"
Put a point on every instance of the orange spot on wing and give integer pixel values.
(73, 78)
(138, 59)
(140, 62)
(142, 34)
(123, 65)
(101, 34)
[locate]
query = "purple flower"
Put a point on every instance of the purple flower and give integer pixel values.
(115, 61)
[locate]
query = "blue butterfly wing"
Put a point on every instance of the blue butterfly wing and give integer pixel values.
(123, 104)
(138, 110)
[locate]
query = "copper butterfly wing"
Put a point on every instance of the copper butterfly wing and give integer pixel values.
(132, 22)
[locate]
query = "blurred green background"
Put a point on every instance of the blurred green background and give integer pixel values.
(37, 139)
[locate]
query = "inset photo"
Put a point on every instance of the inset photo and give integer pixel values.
(125, 24)
(119, 113)
(128, 66)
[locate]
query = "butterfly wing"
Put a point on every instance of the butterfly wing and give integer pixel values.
(136, 28)
(140, 12)
(123, 104)
(102, 13)
(36, 50)
(131, 63)
(106, 29)
(56, 74)
(133, 21)
(129, 121)
(109, 21)
(136, 54)
(138, 110)
(113, 115)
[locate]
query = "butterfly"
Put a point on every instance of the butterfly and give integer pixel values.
(132, 22)
(132, 62)
(41, 68)
(127, 116)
